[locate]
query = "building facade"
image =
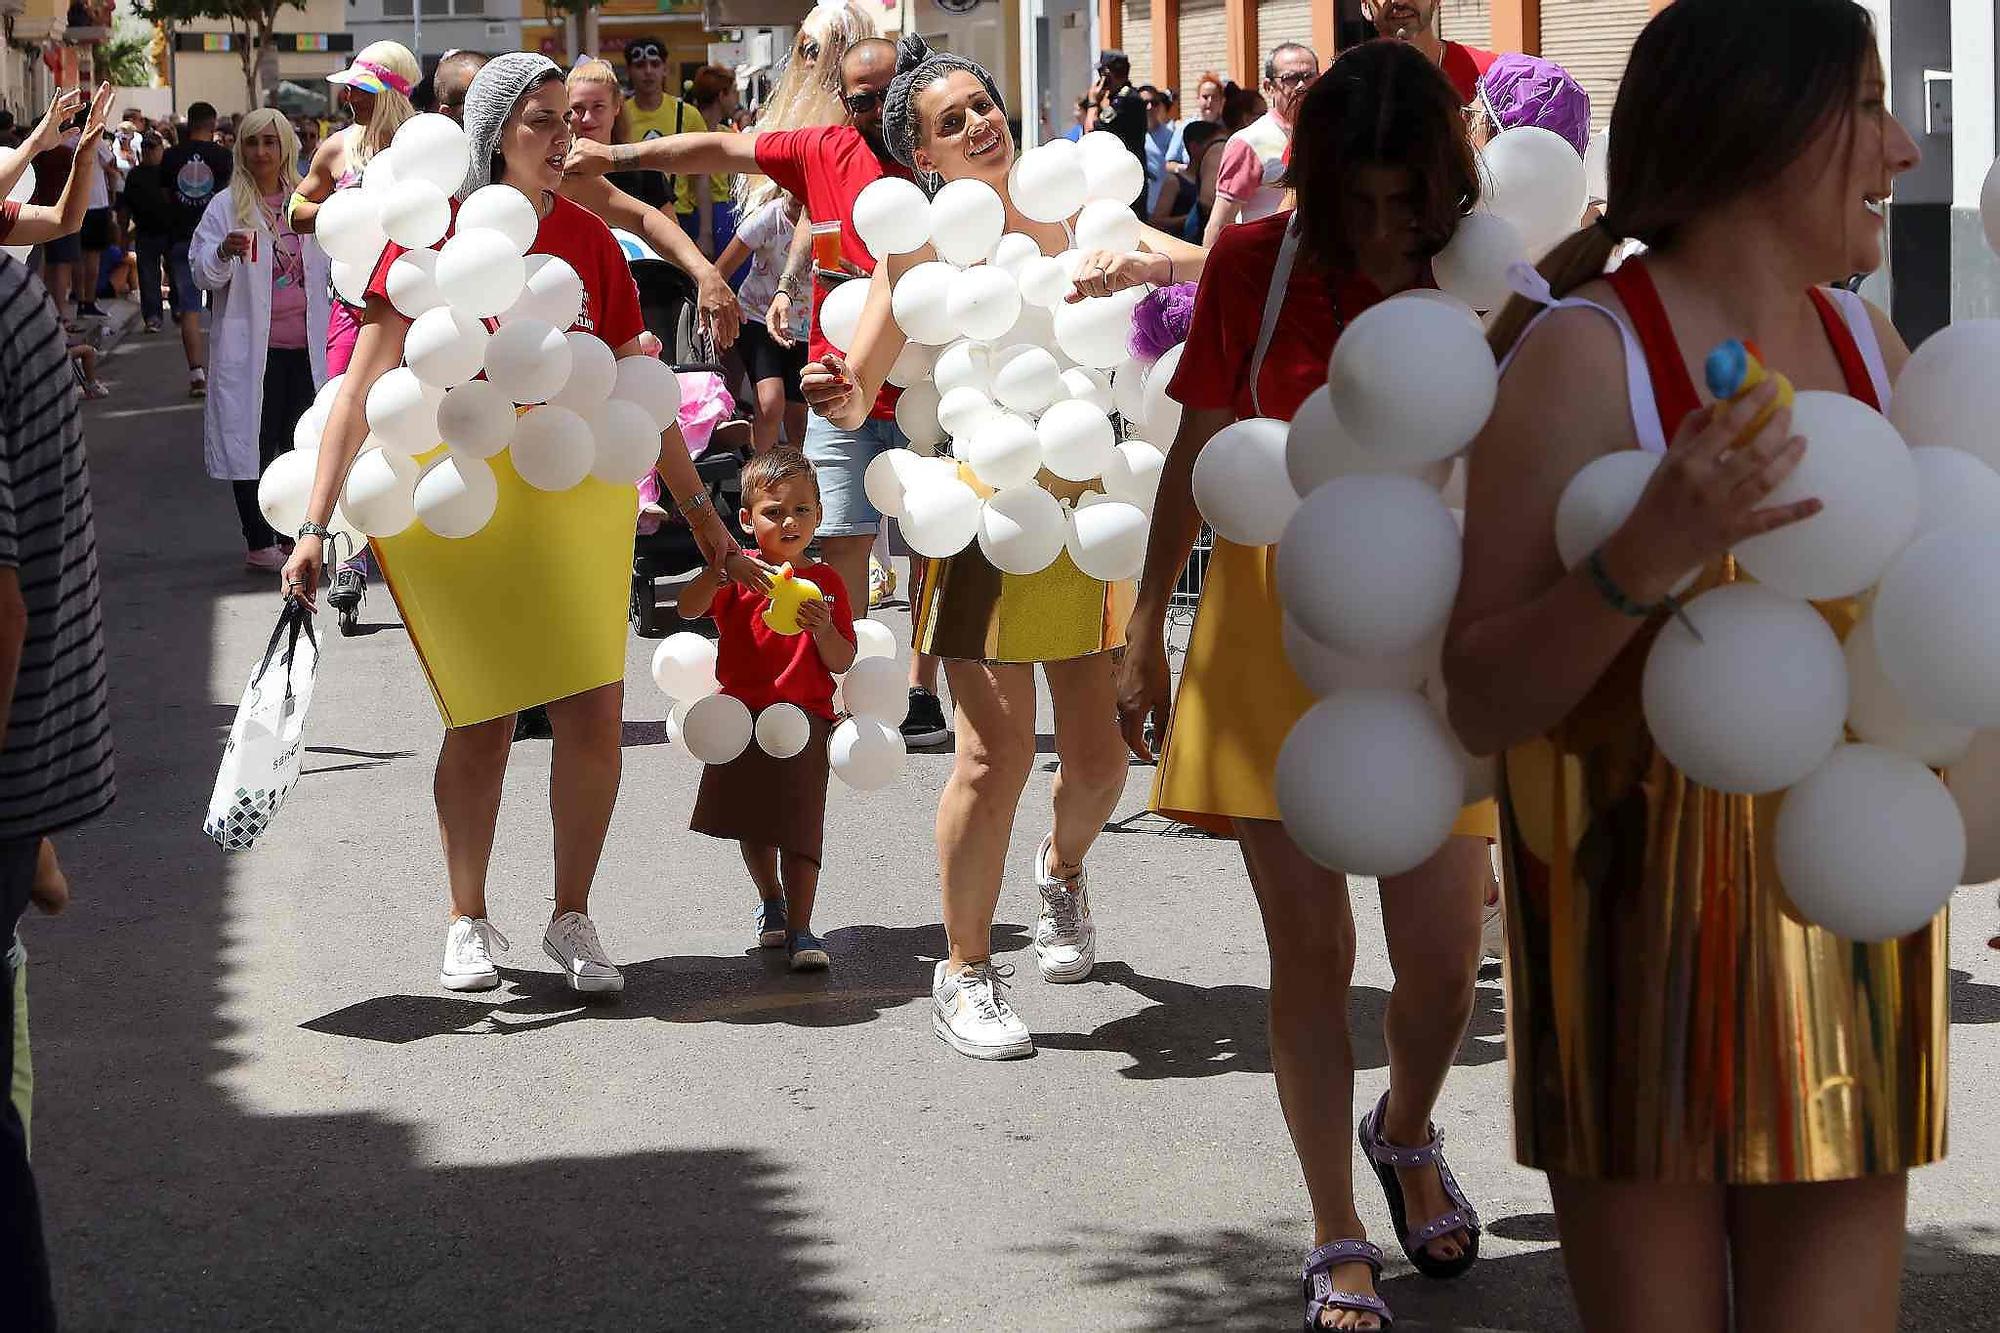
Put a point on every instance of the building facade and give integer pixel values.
(205, 61)
(432, 27)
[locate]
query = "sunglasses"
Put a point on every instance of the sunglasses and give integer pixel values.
(643, 51)
(861, 103)
(1295, 78)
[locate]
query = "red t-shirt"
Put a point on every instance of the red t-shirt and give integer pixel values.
(1463, 65)
(10, 213)
(1229, 310)
(762, 667)
(829, 166)
(579, 237)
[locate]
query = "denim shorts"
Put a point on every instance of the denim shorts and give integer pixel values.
(841, 457)
(185, 295)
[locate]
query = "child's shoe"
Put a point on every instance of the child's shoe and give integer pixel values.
(771, 929)
(808, 951)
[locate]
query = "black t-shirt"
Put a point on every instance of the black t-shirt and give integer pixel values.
(192, 173)
(145, 196)
(1123, 113)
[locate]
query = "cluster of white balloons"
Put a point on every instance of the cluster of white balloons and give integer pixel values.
(487, 336)
(866, 749)
(1020, 379)
(1869, 841)
(1534, 189)
(1371, 779)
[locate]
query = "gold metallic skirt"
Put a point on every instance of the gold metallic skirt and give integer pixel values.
(1669, 1018)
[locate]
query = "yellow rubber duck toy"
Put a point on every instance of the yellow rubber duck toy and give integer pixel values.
(788, 593)
(1734, 369)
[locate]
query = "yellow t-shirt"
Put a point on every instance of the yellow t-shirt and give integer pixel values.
(672, 116)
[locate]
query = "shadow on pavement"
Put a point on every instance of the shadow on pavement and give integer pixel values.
(1972, 1001)
(169, 1205)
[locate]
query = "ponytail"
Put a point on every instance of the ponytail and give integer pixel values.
(1580, 259)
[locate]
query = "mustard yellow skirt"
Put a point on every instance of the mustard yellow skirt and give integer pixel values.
(1238, 700)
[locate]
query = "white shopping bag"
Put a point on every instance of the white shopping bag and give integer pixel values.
(260, 763)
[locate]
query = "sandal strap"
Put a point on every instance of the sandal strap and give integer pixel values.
(1325, 1298)
(1343, 1252)
(1463, 1218)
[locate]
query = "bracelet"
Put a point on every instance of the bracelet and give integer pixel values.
(1616, 597)
(693, 505)
(312, 529)
(292, 204)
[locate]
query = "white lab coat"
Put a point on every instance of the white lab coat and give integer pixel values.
(239, 335)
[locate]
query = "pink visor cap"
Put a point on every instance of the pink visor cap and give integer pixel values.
(369, 77)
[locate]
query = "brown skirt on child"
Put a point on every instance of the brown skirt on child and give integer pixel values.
(770, 802)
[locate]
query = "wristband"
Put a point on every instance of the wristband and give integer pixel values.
(1620, 601)
(292, 204)
(312, 529)
(693, 505)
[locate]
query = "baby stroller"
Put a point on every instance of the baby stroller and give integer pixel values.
(665, 549)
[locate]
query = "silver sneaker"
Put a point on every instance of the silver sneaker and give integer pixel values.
(969, 1013)
(572, 941)
(468, 955)
(1065, 936)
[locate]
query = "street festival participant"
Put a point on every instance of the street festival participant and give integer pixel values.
(514, 117)
(945, 121)
(1382, 174)
(828, 166)
(1727, 1101)
(1416, 22)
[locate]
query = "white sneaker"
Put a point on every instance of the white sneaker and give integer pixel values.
(572, 941)
(970, 1014)
(1065, 937)
(468, 955)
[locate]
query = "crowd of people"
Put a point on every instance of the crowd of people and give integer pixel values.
(1714, 1185)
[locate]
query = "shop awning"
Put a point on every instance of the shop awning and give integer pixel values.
(720, 14)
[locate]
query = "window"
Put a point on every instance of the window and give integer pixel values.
(400, 9)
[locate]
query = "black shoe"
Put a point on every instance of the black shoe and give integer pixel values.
(91, 309)
(924, 725)
(350, 589)
(152, 326)
(771, 928)
(532, 724)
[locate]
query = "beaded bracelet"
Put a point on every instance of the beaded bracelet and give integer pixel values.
(1620, 601)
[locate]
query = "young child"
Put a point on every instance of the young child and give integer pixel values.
(776, 808)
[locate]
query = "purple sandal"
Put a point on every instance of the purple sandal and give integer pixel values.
(1320, 1293)
(1386, 1157)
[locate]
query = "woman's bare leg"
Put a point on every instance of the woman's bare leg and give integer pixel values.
(583, 786)
(1647, 1258)
(1090, 775)
(994, 753)
(1818, 1255)
(471, 770)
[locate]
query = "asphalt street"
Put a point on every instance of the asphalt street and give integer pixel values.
(257, 1109)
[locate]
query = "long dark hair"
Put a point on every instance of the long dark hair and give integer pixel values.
(1382, 104)
(1719, 98)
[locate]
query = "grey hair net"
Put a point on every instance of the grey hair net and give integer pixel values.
(494, 93)
(917, 68)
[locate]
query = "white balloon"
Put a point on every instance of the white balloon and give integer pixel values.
(783, 730)
(962, 410)
(1445, 299)
(380, 497)
(984, 302)
(1134, 476)
(1536, 181)
(684, 666)
(416, 214)
(652, 384)
(504, 209)
(1599, 499)
(892, 217)
(476, 419)
(385, 172)
(1869, 846)
(1974, 782)
(675, 724)
(1325, 670)
(1757, 702)
(1107, 539)
(876, 687)
(552, 449)
(311, 425)
(593, 370)
(1022, 529)
(1013, 250)
(865, 753)
(964, 365)
(1369, 782)
(551, 292)
(349, 227)
(1473, 265)
(1049, 182)
(350, 281)
(285, 487)
(626, 439)
(1948, 393)
(1077, 440)
(1047, 280)
(940, 516)
(1369, 564)
(1028, 382)
(1004, 451)
(1597, 166)
(1088, 385)
(402, 411)
(917, 416)
(412, 283)
(1878, 714)
(1240, 484)
(913, 364)
(1954, 487)
(1861, 472)
(431, 147)
(717, 728)
(920, 303)
(872, 638)
(1106, 224)
(478, 270)
(1110, 172)
(528, 360)
(445, 347)
(840, 312)
(1412, 381)
(1098, 332)
(966, 220)
(882, 483)
(1128, 389)
(456, 496)
(1162, 418)
(1936, 627)
(1318, 449)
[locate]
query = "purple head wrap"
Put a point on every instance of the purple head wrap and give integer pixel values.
(1528, 90)
(1160, 321)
